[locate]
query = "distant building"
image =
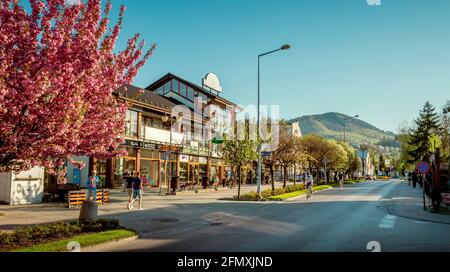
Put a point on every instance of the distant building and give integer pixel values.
(294, 129)
(367, 166)
(148, 139)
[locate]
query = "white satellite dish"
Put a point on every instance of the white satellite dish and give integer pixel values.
(212, 81)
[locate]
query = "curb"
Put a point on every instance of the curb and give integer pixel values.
(392, 210)
(99, 247)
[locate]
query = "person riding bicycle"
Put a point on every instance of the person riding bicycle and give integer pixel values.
(309, 181)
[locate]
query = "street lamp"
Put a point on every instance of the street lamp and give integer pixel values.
(345, 125)
(165, 119)
(258, 178)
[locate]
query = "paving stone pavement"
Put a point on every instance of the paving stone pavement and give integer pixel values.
(12, 217)
(408, 203)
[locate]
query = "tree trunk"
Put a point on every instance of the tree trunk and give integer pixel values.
(272, 177)
(284, 176)
(295, 174)
(318, 175)
(239, 182)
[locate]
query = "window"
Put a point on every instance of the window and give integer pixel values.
(183, 90)
(160, 91)
(190, 94)
(167, 87)
(157, 123)
(175, 86)
(131, 123)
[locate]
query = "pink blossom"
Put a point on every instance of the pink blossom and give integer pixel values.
(58, 74)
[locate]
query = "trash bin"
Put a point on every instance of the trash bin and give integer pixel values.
(89, 211)
(174, 184)
(205, 182)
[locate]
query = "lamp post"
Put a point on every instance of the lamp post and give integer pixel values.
(345, 125)
(165, 119)
(258, 178)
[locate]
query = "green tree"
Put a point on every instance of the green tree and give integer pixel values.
(404, 138)
(382, 163)
(337, 158)
(353, 163)
(240, 153)
(426, 125)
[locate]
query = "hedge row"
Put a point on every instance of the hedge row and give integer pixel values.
(269, 193)
(281, 191)
(27, 236)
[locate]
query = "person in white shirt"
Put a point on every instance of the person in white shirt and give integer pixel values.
(309, 180)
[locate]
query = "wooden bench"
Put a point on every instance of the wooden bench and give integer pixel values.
(182, 186)
(216, 185)
(192, 185)
(76, 198)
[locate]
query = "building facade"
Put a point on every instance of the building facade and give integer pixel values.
(160, 148)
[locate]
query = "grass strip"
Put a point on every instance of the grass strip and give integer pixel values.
(299, 193)
(84, 240)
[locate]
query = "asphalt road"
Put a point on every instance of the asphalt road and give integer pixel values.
(334, 220)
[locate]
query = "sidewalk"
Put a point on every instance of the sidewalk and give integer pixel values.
(408, 203)
(12, 217)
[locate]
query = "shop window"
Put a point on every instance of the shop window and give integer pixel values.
(100, 167)
(183, 171)
(150, 154)
(149, 172)
(193, 173)
(203, 169)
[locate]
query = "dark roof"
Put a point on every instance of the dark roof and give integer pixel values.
(147, 97)
(155, 85)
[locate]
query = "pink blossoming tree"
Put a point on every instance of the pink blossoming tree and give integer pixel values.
(58, 76)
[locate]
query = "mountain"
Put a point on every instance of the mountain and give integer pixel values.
(331, 125)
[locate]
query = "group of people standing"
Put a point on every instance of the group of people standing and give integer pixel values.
(132, 183)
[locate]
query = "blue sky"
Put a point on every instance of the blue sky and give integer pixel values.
(381, 62)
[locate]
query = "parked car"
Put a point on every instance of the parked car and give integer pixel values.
(369, 178)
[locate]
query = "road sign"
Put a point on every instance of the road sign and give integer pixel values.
(266, 154)
(325, 161)
(445, 198)
(423, 167)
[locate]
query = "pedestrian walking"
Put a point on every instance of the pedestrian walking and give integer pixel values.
(92, 184)
(129, 186)
(309, 179)
(125, 176)
(415, 178)
(137, 191)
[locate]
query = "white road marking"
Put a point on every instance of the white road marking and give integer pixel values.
(388, 222)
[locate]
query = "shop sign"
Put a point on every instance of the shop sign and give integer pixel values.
(167, 148)
(184, 158)
(202, 160)
(151, 146)
(194, 151)
(134, 143)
